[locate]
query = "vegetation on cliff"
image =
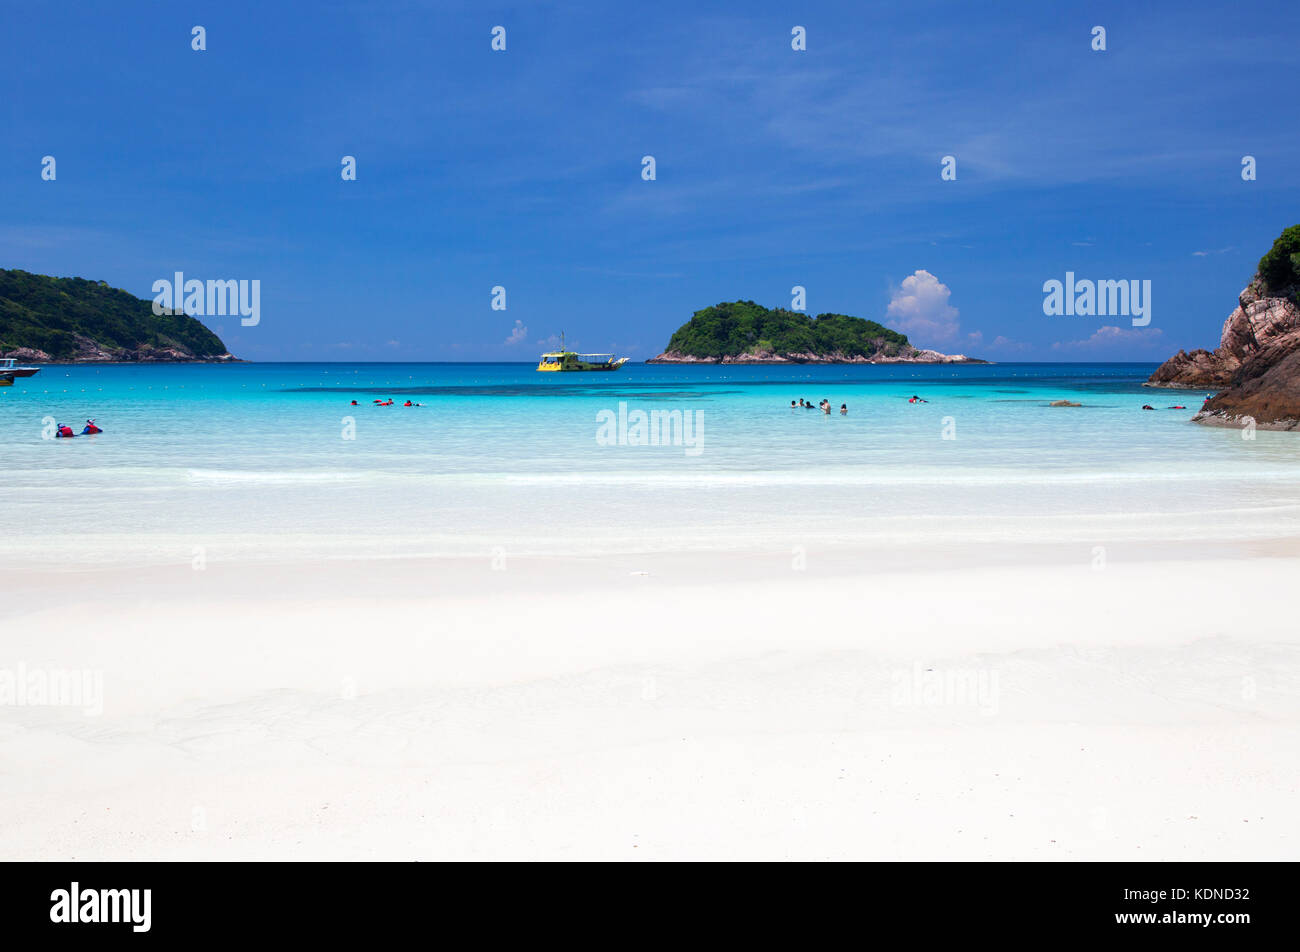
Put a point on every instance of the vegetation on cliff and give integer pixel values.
(68, 318)
(1279, 269)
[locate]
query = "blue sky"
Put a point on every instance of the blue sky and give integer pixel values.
(774, 167)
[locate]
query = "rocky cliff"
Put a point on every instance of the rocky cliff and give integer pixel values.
(1256, 367)
(1260, 320)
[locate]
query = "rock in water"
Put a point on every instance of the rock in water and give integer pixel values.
(1256, 366)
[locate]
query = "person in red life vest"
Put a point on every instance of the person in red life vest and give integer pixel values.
(91, 428)
(64, 430)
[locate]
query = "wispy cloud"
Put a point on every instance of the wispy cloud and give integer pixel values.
(1115, 338)
(518, 334)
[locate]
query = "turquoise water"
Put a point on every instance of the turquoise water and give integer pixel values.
(253, 460)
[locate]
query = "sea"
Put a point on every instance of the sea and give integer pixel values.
(274, 461)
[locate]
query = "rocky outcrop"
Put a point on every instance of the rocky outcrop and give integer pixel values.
(87, 351)
(1265, 391)
(1262, 320)
(912, 356)
(1256, 367)
(26, 354)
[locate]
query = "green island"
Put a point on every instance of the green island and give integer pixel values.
(45, 318)
(743, 332)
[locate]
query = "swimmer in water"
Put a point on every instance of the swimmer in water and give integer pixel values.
(844, 409)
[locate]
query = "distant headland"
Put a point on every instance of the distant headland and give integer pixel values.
(742, 332)
(74, 320)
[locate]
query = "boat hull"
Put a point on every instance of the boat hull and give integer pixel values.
(579, 366)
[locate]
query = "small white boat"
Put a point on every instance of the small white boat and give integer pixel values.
(10, 368)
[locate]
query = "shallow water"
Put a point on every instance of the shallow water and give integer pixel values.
(269, 460)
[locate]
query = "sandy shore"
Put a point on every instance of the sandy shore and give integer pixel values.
(660, 707)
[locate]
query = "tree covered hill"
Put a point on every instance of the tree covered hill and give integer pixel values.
(73, 319)
(742, 331)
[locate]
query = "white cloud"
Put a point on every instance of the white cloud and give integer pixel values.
(920, 309)
(1108, 337)
(1009, 345)
(518, 333)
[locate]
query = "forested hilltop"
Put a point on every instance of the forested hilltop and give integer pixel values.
(745, 332)
(47, 318)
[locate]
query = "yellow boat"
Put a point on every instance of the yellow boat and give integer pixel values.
(565, 360)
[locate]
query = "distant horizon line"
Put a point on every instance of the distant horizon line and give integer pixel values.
(527, 363)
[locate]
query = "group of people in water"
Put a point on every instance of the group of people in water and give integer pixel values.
(63, 431)
(389, 403)
(824, 406)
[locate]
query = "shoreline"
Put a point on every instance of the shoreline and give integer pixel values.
(89, 361)
(778, 362)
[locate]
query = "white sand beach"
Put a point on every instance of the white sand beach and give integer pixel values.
(840, 704)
